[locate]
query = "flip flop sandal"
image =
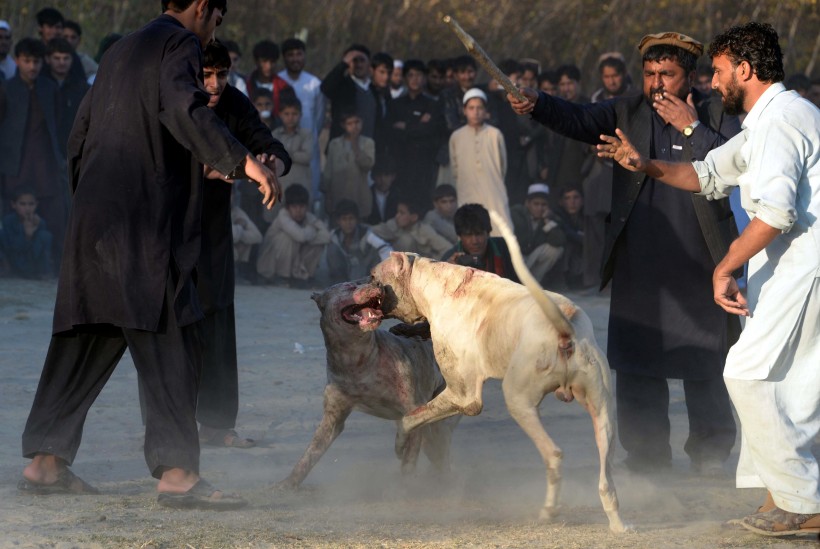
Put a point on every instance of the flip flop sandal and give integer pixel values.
(778, 523)
(66, 483)
(201, 495)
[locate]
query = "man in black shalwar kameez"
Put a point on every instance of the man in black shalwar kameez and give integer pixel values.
(132, 244)
(661, 247)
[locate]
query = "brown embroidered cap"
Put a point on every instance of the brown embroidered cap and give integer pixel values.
(673, 39)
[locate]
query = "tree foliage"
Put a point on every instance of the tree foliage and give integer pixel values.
(554, 32)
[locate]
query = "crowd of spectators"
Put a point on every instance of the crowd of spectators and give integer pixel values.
(384, 152)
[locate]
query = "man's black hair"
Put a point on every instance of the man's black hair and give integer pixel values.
(662, 52)
(50, 17)
(292, 44)
(547, 76)
(797, 81)
(232, 47)
(182, 5)
(437, 65)
(532, 67)
(755, 43)
(444, 190)
(346, 207)
(20, 190)
(215, 55)
(570, 71)
(357, 47)
(413, 65)
(296, 194)
(261, 92)
(293, 102)
(411, 203)
(73, 25)
(382, 58)
(510, 66)
(58, 45)
(612, 62)
(472, 219)
(463, 62)
(705, 70)
(266, 49)
(107, 41)
(30, 47)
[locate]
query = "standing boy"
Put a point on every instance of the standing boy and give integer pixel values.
(478, 158)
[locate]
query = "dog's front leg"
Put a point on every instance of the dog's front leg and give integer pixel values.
(446, 404)
(337, 407)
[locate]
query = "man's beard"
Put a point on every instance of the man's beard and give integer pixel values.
(733, 98)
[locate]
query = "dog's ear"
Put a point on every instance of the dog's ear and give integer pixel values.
(405, 261)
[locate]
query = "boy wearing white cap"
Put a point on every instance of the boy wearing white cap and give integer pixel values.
(478, 158)
(541, 239)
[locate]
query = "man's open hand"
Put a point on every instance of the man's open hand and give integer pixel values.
(621, 150)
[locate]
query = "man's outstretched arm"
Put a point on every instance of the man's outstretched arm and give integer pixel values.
(677, 174)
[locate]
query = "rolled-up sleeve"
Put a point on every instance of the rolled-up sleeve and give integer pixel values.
(775, 169)
(720, 171)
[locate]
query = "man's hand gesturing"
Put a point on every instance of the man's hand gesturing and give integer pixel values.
(621, 150)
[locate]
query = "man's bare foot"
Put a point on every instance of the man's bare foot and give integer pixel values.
(177, 481)
(48, 474)
(44, 469)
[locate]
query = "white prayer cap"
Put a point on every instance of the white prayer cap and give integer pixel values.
(5, 25)
(398, 63)
(538, 188)
(472, 93)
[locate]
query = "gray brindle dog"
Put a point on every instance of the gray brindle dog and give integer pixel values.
(536, 342)
(376, 372)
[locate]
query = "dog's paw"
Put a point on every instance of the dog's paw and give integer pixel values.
(285, 485)
(548, 514)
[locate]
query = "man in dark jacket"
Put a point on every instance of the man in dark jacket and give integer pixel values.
(134, 239)
(661, 248)
(218, 401)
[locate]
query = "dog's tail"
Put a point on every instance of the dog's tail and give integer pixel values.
(553, 313)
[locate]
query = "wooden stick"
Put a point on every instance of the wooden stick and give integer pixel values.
(481, 56)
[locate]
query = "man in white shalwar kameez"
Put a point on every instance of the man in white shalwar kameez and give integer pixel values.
(773, 371)
(478, 159)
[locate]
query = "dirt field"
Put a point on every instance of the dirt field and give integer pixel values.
(355, 497)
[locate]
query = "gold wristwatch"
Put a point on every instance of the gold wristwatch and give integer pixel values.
(690, 129)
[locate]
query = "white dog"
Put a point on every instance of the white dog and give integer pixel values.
(537, 342)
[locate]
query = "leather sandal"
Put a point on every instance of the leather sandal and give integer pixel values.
(778, 522)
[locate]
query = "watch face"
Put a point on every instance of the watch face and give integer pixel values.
(688, 131)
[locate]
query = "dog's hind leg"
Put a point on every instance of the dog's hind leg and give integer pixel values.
(337, 408)
(522, 402)
(597, 400)
(409, 452)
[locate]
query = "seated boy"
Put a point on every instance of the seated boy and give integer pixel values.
(353, 248)
(294, 243)
(570, 218)
(476, 248)
(24, 240)
(444, 208)
(406, 232)
(541, 239)
(383, 191)
(245, 236)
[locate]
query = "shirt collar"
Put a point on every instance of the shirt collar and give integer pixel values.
(363, 84)
(761, 103)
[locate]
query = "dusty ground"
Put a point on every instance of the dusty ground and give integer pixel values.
(355, 497)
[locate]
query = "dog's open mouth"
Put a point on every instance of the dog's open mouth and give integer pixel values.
(367, 315)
